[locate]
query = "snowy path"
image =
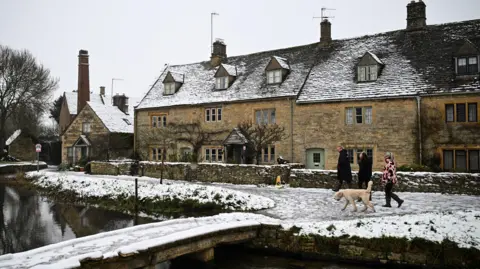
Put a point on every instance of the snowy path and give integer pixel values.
(67, 254)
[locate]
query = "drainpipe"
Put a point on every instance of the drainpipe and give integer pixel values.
(291, 128)
(419, 99)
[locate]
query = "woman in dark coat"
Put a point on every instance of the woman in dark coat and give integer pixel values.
(364, 170)
(344, 171)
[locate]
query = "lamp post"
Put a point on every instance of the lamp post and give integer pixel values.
(113, 79)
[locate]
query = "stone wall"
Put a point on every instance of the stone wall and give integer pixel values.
(454, 183)
(386, 250)
(21, 167)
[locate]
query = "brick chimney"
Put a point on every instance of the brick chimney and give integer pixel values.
(83, 91)
(102, 90)
(416, 16)
(121, 101)
(325, 32)
(219, 53)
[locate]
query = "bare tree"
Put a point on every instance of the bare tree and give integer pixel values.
(24, 84)
(195, 135)
(261, 136)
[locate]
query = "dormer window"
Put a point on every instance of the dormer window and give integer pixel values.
(277, 70)
(367, 73)
(225, 76)
(467, 65)
(221, 83)
(274, 77)
(169, 88)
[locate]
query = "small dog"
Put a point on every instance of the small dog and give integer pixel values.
(351, 195)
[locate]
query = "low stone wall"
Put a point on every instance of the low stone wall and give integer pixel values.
(173, 171)
(20, 167)
(274, 240)
(454, 183)
(242, 174)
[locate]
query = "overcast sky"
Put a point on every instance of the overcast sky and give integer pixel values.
(133, 40)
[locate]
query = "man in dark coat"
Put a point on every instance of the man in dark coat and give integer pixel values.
(344, 171)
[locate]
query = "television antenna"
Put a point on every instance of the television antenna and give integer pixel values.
(322, 14)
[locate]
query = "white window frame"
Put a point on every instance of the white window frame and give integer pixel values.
(159, 121)
(274, 76)
(268, 152)
(351, 115)
(210, 112)
(86, 127)
(221, 83)
(214, 154)
(156, 152)
(268, 112)
(465, 62)
(169, 88)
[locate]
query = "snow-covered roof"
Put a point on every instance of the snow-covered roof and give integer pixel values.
(94, 98)
(231, 69)
(13, 137)
(113, 118)
(375, 57)
(178, 77)
(250, 83)
(414, 63)
(282, 62)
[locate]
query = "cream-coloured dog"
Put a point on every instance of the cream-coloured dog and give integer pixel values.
(351, 195)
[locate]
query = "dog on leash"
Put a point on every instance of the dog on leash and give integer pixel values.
(351, 195)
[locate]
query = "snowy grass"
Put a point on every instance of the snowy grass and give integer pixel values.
(112, 188)
(461, 227)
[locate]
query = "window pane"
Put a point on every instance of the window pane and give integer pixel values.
(358, 115)
(472, 60)
(272, 153)
(361, 73)
(450, 114)
(164, 121)
(214, 155)
(217, 83)
(154, 154)
(460, 160)
(474, 160)
(220, 155)
(265, 154)
(214, 116)
(316, 157)
(350, 155)
(461, 113)
(219, 114)
(278, 76)
(154, 121)
(265, 116)
(207, 114)
(258, 116)
(448, 160)
(462, 61)
(368, 115)
(272, 116)
(373, 72)
(462, 66)
(207, 154)
(270, 77)
(349, 115)
(472, 112)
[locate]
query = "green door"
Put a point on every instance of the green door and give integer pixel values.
(315, 159)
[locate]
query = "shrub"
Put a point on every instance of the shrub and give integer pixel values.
(63, 167)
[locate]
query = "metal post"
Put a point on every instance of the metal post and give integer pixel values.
(38, 161)
(136, 203)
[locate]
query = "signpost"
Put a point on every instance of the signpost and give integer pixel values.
(38, 149)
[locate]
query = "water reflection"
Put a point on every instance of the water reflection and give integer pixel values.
(28, 220)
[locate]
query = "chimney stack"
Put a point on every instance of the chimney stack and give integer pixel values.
(325, 32)
(219, 53)
(121, 101)
(83, 91)
(102, 90)
(416, 16)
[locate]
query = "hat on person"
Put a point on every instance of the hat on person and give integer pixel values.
(389, 155)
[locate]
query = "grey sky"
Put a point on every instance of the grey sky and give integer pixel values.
(133, 40)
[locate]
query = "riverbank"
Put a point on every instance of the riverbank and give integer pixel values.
(153, 199)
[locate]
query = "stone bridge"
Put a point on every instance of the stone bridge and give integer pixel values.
(141, 246)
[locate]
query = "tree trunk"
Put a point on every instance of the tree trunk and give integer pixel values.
(2, 135)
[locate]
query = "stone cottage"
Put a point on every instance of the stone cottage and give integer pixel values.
(99, 130)
(414, 92)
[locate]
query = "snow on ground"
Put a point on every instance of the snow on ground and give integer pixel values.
(99, 186)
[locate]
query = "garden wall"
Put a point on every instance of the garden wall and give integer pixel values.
(454, 183)
(275, 240)
(13, 168)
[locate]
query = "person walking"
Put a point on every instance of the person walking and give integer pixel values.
(344, 171)
(389, 179)
(364, 171)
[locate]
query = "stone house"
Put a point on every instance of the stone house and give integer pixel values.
(414, 92)
(21, 145)
(98, 130)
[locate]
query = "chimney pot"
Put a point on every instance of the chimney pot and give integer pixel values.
(219, 53)
(416, 16)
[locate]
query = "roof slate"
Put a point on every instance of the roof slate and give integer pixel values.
(113, 118)
(94, 98)
(413, 63)
(231, 69)
(282, 62)
(250, 83)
